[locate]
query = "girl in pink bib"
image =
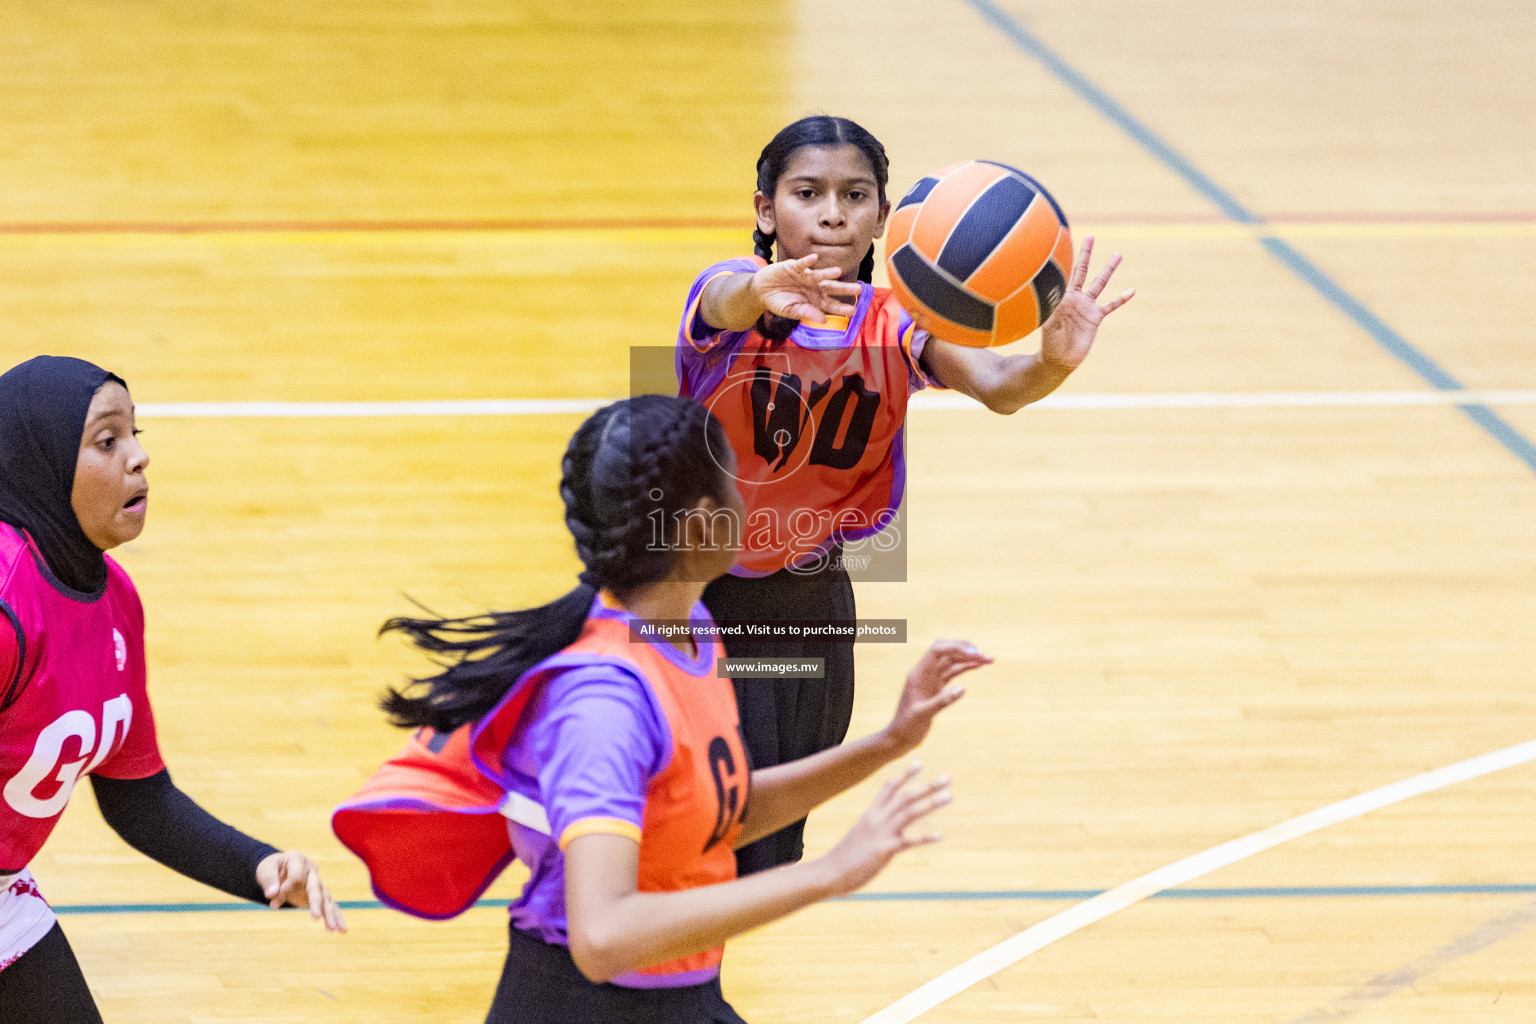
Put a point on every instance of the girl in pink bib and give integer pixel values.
(72, 695)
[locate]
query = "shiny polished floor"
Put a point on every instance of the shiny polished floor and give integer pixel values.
(1207, 620)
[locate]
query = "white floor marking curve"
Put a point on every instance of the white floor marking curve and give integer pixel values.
(923, 401)
(1010, 951)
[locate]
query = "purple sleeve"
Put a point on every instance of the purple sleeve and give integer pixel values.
(700, 346)
(914, 340)
(598, 739)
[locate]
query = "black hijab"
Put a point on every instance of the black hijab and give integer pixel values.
(43, 403)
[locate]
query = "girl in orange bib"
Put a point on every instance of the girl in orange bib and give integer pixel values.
(595, 739)
(809, 368)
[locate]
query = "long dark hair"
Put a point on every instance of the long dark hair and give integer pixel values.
(819, 130)
(630, 466)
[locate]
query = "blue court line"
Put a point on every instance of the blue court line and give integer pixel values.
(938, 896)
(1414, 358)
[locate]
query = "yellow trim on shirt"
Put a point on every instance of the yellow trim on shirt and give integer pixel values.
(704, 344)
(906, 338)
(599, 826)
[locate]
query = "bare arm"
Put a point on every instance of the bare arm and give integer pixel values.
(788, 792)
(790, 288)
(614, 929)
(1006, 384)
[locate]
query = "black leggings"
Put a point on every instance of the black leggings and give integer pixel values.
(45, 986)
(540, 984)
(787, 719)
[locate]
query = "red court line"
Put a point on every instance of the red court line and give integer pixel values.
(1475, 217)
(208, 227)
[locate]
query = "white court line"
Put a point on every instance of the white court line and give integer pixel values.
(327, 410)
(925, 400)
(1010, 951)
(1248, 400)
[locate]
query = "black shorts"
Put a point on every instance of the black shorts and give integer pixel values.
(541, 985)
(787, 719)
(45, 986)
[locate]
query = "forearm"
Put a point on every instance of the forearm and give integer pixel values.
(729, 304)
(1004, 384)
(646, 928)
(163, 823)
(786, 793)
(1023, 380)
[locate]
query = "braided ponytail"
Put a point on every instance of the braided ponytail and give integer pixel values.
(762, 244)
(651, 461)
(629, 470)
(770, 325)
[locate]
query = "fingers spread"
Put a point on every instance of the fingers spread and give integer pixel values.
(848, 288)
(924, 792)
(893, 785)
(333, 919)
(1103, 278)
(941, 700)
(1080, 269)
(910, 842)
(1125, 297)
(317, 895)
(921, 806)
(279, 891)
(892, 791)
(969, 665)
(963, 647)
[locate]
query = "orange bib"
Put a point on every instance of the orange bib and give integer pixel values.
(816, 423)
(429, 823)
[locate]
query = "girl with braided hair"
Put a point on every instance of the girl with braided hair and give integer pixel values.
(610, 748)
(809, 368)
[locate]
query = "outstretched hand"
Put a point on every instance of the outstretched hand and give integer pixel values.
(797, 290)
(881, 833)
(290, 879)
(928, 692)
(1067, 336)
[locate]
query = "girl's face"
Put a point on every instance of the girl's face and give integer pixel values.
(828, 203)
(111, 493)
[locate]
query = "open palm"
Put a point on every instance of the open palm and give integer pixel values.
(797, 290)
(1068, 335)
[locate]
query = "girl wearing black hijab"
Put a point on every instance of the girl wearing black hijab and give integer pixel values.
(72, 681)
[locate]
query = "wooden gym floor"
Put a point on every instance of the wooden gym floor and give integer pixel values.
(1207, 619)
